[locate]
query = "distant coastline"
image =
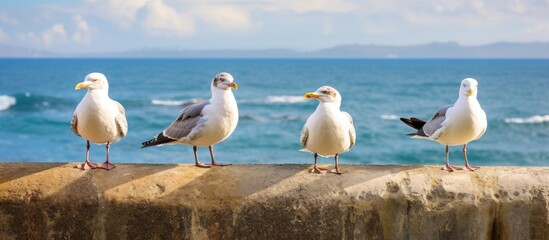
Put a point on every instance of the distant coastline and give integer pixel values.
(452, 50)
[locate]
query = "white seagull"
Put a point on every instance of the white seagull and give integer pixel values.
(98, 118)
(206, 123)
(328, 131)
(455, 124)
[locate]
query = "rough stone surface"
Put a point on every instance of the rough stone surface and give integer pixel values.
(58, 201)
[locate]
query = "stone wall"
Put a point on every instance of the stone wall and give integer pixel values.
(138, 201)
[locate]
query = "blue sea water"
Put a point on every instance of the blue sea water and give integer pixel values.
(37, 100)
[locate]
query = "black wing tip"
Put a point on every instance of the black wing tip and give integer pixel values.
(414, 119)
(149, 143)
(408, 121)
(157, 140)
(413, 122)
(144, 145)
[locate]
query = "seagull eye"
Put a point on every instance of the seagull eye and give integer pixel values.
(464, 85)
(324, 92)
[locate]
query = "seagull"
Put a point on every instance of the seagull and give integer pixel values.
(328, 131)
(204, 124)
(455, 124)
(98, 118)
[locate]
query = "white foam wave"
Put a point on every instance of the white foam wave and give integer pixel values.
(285, 99)
(6, 102)
(175, 102)
(530, 120)
(389, 117)
(167, 102)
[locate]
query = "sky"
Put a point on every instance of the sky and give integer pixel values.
(92, 26)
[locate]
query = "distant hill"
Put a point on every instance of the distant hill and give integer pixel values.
(430, 50)
(438, 50)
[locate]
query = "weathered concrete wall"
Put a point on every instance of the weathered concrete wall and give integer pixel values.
(57, 201)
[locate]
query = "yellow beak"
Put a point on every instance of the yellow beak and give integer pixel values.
(81, 85)
(470, 92)
(234, 85)
(311, 95)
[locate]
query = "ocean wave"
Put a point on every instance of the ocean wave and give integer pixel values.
(176, 102)
(27, 101)
(531, 120)
(275, 99)
(389, 117)
(6, 102)
(285, 99)
(263, 119)
(253, 118)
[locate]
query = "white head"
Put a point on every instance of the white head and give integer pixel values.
(94, 81)
(223, 81)
(468, 88)
(325, 94)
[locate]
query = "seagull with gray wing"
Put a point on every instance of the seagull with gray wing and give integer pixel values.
(328, 131)
(455, 124)
(98, 118)
(204, 124)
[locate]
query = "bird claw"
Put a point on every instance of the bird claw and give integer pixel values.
(451, 168)
(337, 171)
(471, 168)
(107, 166)
(317, 170)
(202, 165)
(89, 164)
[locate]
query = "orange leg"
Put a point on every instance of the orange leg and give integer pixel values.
(214, 163)
(197, 162)
(87, 162)
(448, 167)
(467, 166)
(107, 165)
(337, 170)
(317, 169)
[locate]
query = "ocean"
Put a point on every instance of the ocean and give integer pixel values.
(37, 100)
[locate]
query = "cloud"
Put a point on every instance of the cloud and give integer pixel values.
(163, 20)
(4, 37)
(74, 33)
(56, 34)
(328, 28)
(27, 37)
(539, 28)
(446, 6)
(376, 28)
(123, 12)
(268, 23)
(82, 32)
(223, 16)
(5, 18)
(303, 6)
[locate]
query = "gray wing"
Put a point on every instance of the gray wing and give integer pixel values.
(186, 121)
(352, 132)
(120, 119)
(435, 122)
(74, 122)
(304, 136)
